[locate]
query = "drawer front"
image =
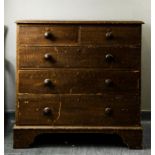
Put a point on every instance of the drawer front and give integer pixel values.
(47, 35)
(77, 81)
(72, 57)
(78, 110)
(111, 35)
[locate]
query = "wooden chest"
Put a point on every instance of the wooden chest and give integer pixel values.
(78, 77)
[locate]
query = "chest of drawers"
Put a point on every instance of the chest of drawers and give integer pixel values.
(78, 77)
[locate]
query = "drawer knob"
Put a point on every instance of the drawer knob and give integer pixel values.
(108, 82)
(47, 56)
(47, 35)
(108, 111)
(109, 58)
(47, 82)
(47, 111)
(109, 35)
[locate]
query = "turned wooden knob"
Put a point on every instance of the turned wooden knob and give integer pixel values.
(109, 57)
(47, 82)
(108, 82)
(47, 56)
(47, 111)
(108, 111)
(47, 35)
(109, 35)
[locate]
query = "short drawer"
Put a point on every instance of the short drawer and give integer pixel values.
(74, 81)
(78, 110)
(72, 57)
(111, 35)
(47, 35)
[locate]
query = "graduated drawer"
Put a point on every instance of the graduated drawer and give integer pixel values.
(111, 34)
(47, 34)
(75, 81)
(72, 57)
(78, 110)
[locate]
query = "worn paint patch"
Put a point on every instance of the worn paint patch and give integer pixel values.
(26, 102)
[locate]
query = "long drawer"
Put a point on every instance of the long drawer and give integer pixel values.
(78, 110)
(76, 81)
(72, 57)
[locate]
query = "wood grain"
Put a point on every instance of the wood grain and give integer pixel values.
(132, 136)
(79, 110)
(79, 57)
(77, 22)
(59, 34)
(74, 81)
(78, 77)
(122, 35)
